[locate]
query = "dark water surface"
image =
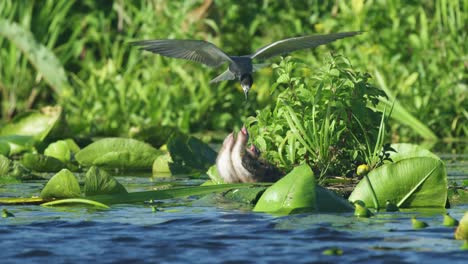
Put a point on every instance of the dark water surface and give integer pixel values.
(199, 234)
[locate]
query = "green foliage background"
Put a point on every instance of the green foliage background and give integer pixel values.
(417, 47)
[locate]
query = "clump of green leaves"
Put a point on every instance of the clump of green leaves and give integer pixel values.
(314, 118)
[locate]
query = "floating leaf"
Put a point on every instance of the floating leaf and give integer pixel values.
(362, 211)
(17, 143)
(461, 233)
(76, 201)
(98, 182)
(62, 185)
(122, 153)
(411, 182)
(40, 56)
(4, 165)
(6, 213)
(161, 164)
(245, 195)
(333, 252)
(41, 163)
(449, 220)
(214, 175)
(328, 201)
(138, 197)
(29, 128)
(405, 151)
(59, 150)
(295, 192)
(189, 154)
(4, 148)
(418, 224)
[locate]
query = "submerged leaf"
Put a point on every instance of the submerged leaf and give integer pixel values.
(62, 185)
(295, 192)
(122, 153)
(98, 182)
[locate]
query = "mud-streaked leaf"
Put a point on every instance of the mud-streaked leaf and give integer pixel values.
(122, 153)
(411, 182)
(62, 185)
(41, 163)
(98, 182)
(295, 192)
(41, 57)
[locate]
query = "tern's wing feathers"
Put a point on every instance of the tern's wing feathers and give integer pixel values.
(292, 44)
(225, 76)
(194, 50)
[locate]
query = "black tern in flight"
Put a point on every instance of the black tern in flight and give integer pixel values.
(240, 67)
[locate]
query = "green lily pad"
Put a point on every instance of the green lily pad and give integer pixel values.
(98, 182)
(4, 148)
(214, 175)
(411, 182)
(245, 195)
(35, 123)
(122, 153)
(4, 165)
(62, 185)
(41, 163)
(59, 150)
(461, 233)
(405, 151)
(328, 201)
(17, 143)
(295, 192)
(161, 164)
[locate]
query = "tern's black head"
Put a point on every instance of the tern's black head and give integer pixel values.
(246, 81)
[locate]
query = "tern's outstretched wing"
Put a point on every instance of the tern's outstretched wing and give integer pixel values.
(292, 44)
(194, 50)
(227, 75)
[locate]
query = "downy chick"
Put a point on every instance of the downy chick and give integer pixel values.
(224, 162)
(247, 163)
(262, 169)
